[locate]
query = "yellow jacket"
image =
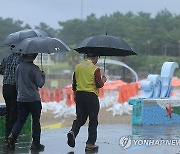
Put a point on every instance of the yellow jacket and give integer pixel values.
(85, 79)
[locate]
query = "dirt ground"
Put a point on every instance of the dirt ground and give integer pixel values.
(105, 117)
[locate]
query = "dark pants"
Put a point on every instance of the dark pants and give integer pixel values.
(10, 96)
(87, 105)
(24, 108)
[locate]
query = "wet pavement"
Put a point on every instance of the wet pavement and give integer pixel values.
(109, 142)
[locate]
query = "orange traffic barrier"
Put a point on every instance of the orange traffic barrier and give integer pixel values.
(42, 94)
(127, 91)
(69, 100)
(175, 82)
(51, 95)
(121, 97)
(101, 93)
(72, 100)
(57, 95)
(132, 89)
(113, 85)
(61, 94)
(46, 95)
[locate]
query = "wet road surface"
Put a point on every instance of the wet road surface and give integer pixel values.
(55, 141)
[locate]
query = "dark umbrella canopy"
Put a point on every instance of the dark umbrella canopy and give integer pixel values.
(41, 45)
(105, 45)
(16, 37)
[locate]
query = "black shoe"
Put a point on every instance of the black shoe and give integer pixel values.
(91, 147)
(36, 146)
(11, 142)
(71, 139)
(16, 141)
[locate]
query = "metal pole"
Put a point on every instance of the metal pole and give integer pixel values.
(41, 62)
(81, 9)
(104, 65)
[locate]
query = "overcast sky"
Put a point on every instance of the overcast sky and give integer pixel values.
(51, 11)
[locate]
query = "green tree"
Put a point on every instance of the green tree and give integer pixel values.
(8, 26)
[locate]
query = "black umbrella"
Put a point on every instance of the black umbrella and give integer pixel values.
(41, 45)
(16, 37)
(105, 45)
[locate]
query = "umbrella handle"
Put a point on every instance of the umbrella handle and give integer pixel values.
(41, 62)
(104, 65)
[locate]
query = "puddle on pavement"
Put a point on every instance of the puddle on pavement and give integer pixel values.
(156, 132)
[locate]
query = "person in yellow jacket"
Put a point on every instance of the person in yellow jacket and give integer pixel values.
(86, 82)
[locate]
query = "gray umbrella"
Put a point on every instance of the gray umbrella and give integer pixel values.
(16, 37)
(41, 45)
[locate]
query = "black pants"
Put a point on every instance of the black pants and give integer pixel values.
(87, 105)
(24, 108)
(10, 95)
